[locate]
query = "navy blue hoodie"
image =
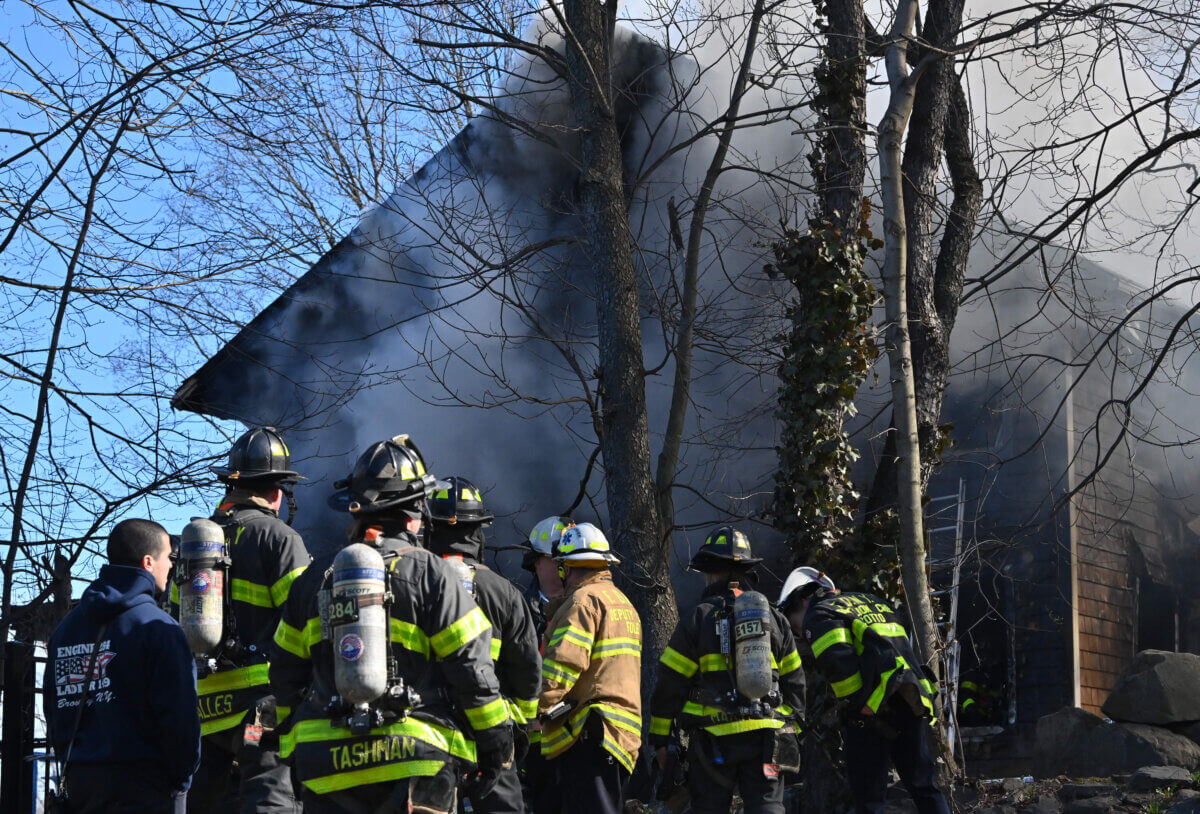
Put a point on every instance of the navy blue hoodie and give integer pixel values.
(141, 708)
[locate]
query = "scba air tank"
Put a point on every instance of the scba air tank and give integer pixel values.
(358, 618)
(752, 645)
(202, 562)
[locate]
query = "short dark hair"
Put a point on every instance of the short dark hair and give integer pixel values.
(131, 540)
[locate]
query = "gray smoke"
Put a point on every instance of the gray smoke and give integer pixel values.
(446, 312)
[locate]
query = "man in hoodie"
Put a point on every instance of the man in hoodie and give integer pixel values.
(138, 741)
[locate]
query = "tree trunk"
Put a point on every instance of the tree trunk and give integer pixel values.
(622, 425)
(668, 457)
(908, 454)
(845, 152)
(929, 324)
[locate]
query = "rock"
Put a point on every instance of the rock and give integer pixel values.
(1191, 806)
(1158, 687)
(1091, 805)
(1082, 791)
(997, 810)
(1046, 804)
(1011, 785)
(1187, 794)
(1176, 750)
(1150, 778)
(1190, 731)
(1138, 799)
(1079, 744)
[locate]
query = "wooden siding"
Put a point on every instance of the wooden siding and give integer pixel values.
(1114, 513)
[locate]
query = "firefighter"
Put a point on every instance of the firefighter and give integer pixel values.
(387, 659)
(591, 708)
(238, 714)
(733, 743)
(541, 789)
(539, 561)
(862, 650)
(456, 520)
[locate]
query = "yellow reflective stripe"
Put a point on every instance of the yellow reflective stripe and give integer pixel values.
(880, 690)
(555, 743)
(470, 626)
(243, 590)
(535, 737)
(527, 707)
(790, 663)
(614, 749)
(616, 647)
(749, 725)
(573, 635)
(376, 774)
(236, 679)
(320, 730)
(283, 586)
(784, 710)
(615, 715)
(714, 663)
(829, 639)
(889, 630)
(660, 726)
(968, 703)
(281, 713)
(496, 644)
(174, 593)
(490, 714)
(701, 711)
(848, 686)
(969, 685)
(561, 673)
(214, 725)
(679, 662)
(408, 636)
(298, 642)
(514, 712)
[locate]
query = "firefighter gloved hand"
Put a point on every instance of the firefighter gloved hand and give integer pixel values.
(492, 763)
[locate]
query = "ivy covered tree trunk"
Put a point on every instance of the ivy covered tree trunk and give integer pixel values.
(826, 355)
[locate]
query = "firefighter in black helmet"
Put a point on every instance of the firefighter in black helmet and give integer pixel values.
(733, 744)
(238, 714)
(440, 713)
(456, 518)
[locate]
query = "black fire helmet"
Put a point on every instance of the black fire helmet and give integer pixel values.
(389, 475)
(259, 456)
(457, 500)
(725, 549)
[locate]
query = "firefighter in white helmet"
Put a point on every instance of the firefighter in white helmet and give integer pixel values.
(861, 648)
(723, 653)
(537, 775)
(591, 708)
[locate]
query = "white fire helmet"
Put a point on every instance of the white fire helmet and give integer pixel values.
(803, 582)
(547, 533)
(584, 543)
